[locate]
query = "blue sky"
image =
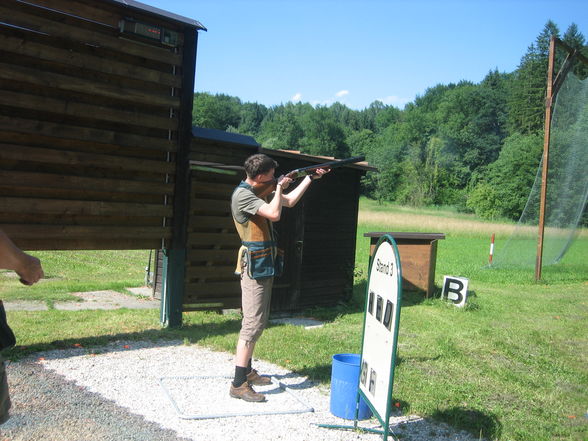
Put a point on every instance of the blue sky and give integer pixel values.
(356, 52)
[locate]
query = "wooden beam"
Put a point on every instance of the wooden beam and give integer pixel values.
(545, 169)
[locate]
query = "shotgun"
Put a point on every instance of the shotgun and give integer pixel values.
(266, 188)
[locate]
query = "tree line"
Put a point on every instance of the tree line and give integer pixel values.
(473, 146)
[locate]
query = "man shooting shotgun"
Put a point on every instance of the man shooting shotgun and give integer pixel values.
(255, 204)
(263, 189)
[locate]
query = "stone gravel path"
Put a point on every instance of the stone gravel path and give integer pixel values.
(113, 393)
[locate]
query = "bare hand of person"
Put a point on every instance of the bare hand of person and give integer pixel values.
(30, 270)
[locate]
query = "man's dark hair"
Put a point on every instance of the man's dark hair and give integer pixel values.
(259, 164)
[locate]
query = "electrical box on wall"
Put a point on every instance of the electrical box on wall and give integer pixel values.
(152, 32)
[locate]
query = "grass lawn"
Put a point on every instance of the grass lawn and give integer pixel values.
(509, 366)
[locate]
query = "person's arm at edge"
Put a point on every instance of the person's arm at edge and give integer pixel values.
(13, 258)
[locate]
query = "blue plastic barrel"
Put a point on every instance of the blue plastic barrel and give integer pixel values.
(344, 384)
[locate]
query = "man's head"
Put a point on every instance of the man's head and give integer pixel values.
(259, 164)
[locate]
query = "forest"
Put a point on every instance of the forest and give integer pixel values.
(475, 147)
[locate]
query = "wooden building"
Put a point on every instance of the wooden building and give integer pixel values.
(318, 235)
(95, 125)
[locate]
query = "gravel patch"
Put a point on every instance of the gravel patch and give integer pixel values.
(117, 388)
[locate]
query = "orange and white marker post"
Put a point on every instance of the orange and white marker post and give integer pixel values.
(491, 250)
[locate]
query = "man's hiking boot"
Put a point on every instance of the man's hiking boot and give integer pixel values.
(246, 392)
(255, 379)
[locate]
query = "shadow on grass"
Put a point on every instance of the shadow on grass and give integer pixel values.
(188, 333)
(317, 374)
(478, 423)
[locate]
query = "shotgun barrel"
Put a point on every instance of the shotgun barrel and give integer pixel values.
(303, 171)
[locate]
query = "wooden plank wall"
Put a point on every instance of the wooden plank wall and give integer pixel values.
(88, 127)
(330, 230)
(212, 241)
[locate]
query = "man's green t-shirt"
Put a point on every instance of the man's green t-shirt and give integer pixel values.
(244, 204)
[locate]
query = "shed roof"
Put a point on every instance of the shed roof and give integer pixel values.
(222, 136)
(296, 154)
(160, 12)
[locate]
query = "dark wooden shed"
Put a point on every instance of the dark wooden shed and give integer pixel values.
(95, 125)
(318, 235)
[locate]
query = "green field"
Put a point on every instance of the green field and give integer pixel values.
(509, 366)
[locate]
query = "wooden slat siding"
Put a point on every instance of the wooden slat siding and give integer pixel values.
(329, 240)
(70, 232)
(104, 14)
(42, 48)
(81, 208)
(212, 189)
(222, 153)
(107, 13)
(212, 242)
(52, 129)
(23, 191)
(76, 219)
(73, 159)
(58, 24)
(212, 222)
(216, 271)
(39, 140)
(91, 112)
(210, 206)
(68, 83)
(227, 257)
(214, 154)
(81, 183)
(88, 244)
(197, 239)
(207, 290)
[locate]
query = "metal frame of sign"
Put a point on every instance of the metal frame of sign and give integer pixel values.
(370, 298)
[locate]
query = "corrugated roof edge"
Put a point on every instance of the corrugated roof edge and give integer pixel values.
(221, 135)
(156, 11)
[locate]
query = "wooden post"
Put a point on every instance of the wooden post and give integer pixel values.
(542, 202)
(172, 301)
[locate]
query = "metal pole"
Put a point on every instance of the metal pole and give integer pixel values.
(542, 202)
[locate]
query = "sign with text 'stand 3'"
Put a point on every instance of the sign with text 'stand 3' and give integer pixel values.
(380, 332)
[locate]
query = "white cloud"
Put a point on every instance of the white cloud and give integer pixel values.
(394, 100)
(342, 93)
(297, 97)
